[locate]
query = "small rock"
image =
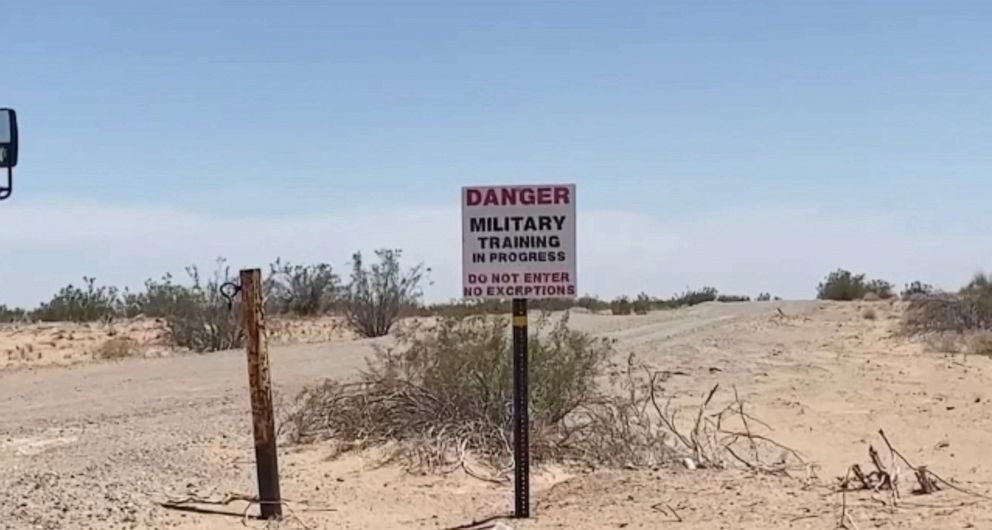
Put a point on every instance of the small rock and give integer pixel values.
(689, 464)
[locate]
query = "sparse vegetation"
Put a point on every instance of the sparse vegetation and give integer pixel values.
(869, 314)
(592, 304)
(946, 313)
(970, 310)
(952, 323)
(642, 304)
(844, 285)
(979, 291)
(880, 288)
(733, 298)
(764, 297)
(302, 290)
(197, 316)
(441, 396)
(451, 382)
(378, 292)
(15, 314)
(942, 342)
(75, 304)
(621, 306)
(916, 289)
(979, 343)
(692, 297)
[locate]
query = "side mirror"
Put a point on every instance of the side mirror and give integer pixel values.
(8, 138)
(8, 149)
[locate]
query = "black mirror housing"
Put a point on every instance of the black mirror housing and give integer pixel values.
(8, 138)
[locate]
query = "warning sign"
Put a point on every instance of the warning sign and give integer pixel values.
(518, 241)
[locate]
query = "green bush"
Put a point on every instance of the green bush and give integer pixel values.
(303, 290)
(979, 290)
(15, 314)
(197, 316)
(642, 304)
(377, 293)
(764, 297)
(733, 298)
(447, 387)
(844, 285)
(915, 289)
(159, 299)
(592, 304)
(881, 289)
(88, 304)
(693, 297)
(621, 306)
(441, 399)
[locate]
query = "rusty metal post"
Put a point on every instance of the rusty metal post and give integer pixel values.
(260, 384)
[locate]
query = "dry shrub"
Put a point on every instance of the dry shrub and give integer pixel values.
(198, 316)
(869, 314)
(979, 343)
(942, 342)
(302, 290)
(379, 291)
(621, 306)
(449, 383)
(443, 394)
(947, 313)
(118, 348)
(642, 304)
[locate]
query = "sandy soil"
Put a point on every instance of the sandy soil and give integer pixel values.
(95, 445)
(63, 343)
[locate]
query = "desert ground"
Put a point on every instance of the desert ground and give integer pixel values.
(98, 444)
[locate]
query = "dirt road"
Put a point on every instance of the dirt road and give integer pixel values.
(96, 445)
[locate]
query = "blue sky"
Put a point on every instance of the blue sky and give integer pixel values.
(750, 145)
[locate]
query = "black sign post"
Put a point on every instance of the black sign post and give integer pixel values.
(521, 418)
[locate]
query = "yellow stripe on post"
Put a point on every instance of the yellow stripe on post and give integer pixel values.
(520, 321)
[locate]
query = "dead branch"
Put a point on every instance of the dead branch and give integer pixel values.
(657, 507)
(846, 521)
(188, 504)
(927, 479)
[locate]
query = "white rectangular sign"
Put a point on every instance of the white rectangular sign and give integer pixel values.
(518, 241)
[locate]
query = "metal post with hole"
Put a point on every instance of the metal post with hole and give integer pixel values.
(521, 418)
(260, 383)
